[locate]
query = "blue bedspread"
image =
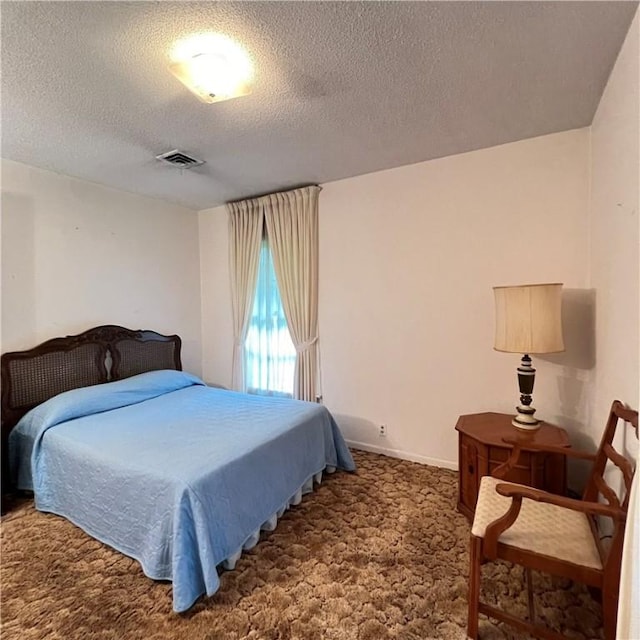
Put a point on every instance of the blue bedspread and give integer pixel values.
(170, 472)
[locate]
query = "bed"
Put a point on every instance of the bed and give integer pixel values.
(108, 431)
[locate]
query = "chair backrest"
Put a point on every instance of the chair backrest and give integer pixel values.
(598, 489)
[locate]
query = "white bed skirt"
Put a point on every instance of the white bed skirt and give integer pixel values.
(271, 523)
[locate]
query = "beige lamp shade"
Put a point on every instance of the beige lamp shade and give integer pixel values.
(529, 318)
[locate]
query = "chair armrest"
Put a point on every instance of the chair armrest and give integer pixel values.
(594, 508)
(518, 492)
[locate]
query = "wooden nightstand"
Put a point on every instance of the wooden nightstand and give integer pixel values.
(482, 449)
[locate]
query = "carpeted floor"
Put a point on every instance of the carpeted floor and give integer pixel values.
(377, 554)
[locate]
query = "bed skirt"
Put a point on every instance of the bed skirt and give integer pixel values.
(271, 523)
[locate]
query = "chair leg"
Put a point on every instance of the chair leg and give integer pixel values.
(474, 587)
(609, 612)
(532, 613)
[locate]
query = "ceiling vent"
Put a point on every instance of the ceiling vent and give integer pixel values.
(179, 159)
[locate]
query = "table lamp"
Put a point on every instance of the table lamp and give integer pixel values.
(528, 320)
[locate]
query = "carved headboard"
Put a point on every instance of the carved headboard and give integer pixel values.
(99, 355)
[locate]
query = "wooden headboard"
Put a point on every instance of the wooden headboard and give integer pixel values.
(102, 354)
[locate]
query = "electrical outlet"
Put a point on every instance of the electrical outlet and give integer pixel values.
(383, 430)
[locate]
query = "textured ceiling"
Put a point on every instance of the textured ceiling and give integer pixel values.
(342, 88)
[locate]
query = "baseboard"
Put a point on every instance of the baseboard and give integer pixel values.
(403, 455)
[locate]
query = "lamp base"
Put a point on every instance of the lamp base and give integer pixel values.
(525, 420)
(526, 377)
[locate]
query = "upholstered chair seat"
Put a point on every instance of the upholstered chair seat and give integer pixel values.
(541, 528)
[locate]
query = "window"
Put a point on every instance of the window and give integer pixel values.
(270, 356)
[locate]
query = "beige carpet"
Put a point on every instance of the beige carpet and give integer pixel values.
(373, 555)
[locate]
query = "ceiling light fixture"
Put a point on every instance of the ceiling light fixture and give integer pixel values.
(213, 66)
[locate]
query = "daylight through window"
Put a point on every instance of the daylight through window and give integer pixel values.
(270, 356)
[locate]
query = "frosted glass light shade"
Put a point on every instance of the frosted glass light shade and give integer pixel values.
(212, 66)
(529, 318)
(210, 78)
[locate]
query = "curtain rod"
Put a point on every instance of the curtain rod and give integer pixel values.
(270, 193)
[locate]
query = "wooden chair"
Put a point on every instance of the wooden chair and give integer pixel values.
(553, 534)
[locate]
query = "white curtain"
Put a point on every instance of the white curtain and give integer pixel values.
(291, 218)
(246, 219)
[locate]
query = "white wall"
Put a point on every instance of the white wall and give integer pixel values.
(76, 255)
(407, 261)
(614, 232)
